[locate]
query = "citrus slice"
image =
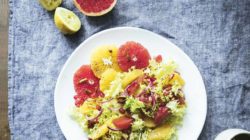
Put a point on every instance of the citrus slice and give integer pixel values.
(103, 58)
(131, 76)
(66, 21)
(176, 78)
(132, 54)
(163, 132)
(95, 7)
(86, 84)
(50, 4)
(107, 77)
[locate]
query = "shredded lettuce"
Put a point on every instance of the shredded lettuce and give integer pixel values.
(173, 106)
(175, 88)
(115, 87)
(139, 135)
(106, 115)
(180, 112)
(148, 113)
(86, 110)
(176, 109)
(161, 70)
(79, 118)
(159, 89)
(133, 104)
(177, 117)
(115, 135)
(138, 123)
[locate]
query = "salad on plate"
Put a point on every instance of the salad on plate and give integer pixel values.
(125, 94)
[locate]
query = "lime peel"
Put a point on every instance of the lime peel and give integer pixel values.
(66, 21)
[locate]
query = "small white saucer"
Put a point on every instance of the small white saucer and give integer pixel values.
(230, 133)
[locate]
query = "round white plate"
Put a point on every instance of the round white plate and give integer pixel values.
(194, 89)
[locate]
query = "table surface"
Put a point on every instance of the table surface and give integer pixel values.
(4, 128)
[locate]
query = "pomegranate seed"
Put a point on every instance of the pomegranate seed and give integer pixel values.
(158, 58)
(98, 107)
(122, 111)
(168, 87)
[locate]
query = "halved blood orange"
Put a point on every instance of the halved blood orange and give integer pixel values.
(132, 54)
(95, 7)
(86, 85)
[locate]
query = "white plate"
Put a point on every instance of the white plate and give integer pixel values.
(194, 89)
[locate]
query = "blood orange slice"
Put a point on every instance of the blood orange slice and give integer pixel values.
(86, 85)
(95, 7)
(132, 54)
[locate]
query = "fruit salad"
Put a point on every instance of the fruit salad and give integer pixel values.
(126, 94)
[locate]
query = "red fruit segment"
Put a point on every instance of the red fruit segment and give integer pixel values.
(132, 54)
(95, 7)
(161, 114)
(86, 85)
(131, 88)
(158, 58)
(123, 122)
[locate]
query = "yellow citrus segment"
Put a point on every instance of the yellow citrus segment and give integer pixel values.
(103, 58)
(163, 132)
(149, 122)
(107, 77)
(102, 130)
(66, 21)
(50, 4)
(131, 76)
(177, 78)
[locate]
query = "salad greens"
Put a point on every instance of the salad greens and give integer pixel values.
(133, 104)
(149, 107)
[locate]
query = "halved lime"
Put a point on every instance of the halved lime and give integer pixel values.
(66, 21)
(50, 4)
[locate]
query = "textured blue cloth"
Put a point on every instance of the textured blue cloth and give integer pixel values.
(214, 33)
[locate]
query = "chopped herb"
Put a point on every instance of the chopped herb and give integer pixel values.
(82, 80)
(107, 61)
